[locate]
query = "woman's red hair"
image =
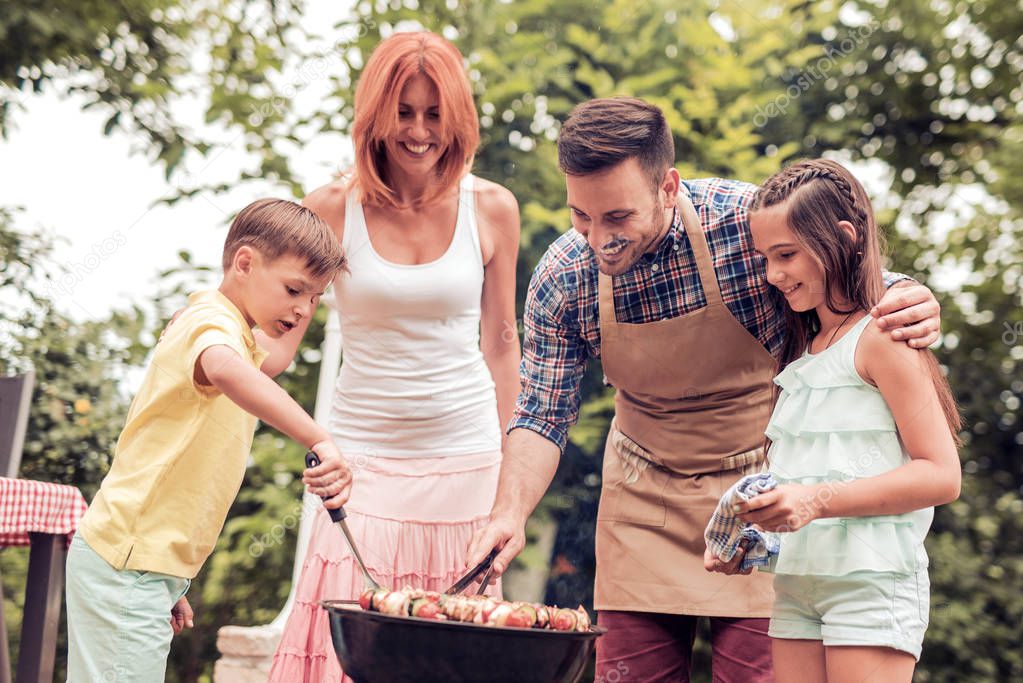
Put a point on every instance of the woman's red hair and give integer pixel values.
(395, 61)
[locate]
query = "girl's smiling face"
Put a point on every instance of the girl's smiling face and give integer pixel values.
(790, 266)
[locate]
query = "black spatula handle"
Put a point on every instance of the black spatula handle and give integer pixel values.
(335, 515)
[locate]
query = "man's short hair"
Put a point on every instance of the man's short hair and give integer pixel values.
(276, 227)
(602, 133)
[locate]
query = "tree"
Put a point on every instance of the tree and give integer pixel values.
(925, 90)
(77, 404)
(932, 90)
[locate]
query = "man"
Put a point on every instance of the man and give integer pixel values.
(660, 280)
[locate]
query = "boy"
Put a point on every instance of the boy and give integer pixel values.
(180, 459)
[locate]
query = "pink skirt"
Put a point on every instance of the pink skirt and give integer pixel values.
(413, 519)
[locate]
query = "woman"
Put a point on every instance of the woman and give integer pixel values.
(430, 370)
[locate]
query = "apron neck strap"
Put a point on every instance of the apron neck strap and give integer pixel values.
(701, 252)
(605, 294)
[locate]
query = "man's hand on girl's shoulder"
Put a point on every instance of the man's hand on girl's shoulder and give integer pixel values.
(911, 312)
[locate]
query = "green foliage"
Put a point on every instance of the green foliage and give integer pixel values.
(21, 254)
(77, 404)
(935, 92)
(928, 89)
(13, 569)
(977, 555)
(927, 86)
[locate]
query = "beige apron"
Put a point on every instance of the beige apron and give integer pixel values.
(694, 395)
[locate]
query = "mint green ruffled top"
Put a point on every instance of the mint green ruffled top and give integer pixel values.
(830, 425)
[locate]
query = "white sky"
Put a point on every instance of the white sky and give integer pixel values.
(98, 196)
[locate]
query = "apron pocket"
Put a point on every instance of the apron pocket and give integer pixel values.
(633, 487)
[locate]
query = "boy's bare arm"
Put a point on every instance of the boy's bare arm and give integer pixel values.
(260, 396)
(282, 350)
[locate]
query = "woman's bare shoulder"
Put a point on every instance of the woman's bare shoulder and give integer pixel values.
(498, 208)
(328, 202)
(495, 198)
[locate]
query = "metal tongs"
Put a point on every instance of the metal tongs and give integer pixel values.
(338, 516)
(487, 565)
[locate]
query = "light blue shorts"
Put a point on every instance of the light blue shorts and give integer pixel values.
(118, 621)
(862, 608)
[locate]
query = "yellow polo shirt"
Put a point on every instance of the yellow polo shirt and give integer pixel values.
(180, 459)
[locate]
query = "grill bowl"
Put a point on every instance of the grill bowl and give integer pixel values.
(380, 648)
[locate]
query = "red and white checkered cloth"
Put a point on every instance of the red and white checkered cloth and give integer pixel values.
(37, 506)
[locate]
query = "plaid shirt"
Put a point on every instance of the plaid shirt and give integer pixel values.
(562, 325)
(562, 322)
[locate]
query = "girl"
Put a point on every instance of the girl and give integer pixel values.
(430, 372)
(863, 442)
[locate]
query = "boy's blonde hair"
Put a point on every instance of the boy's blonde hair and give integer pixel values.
(275, 227)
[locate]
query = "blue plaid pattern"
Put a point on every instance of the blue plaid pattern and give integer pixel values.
(562, 328)
(725, 531)
(562, 323)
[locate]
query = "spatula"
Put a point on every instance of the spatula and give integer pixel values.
(338, 516)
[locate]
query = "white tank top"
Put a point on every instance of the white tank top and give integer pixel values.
(413, 382)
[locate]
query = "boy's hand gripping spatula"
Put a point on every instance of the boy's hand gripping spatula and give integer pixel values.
(338, 516)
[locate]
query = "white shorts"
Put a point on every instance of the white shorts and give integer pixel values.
(862, 608)
(118, 621)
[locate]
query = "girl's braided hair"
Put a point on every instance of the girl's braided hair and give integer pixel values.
(781, 186)
(818, 195)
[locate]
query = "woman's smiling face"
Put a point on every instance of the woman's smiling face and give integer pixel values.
(790, 267)
(416, 147)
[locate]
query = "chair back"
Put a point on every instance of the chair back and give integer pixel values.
(15, 401)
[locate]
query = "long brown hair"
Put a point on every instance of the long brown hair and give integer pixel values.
(819, 193)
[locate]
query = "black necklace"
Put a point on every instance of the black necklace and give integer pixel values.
(840, 325)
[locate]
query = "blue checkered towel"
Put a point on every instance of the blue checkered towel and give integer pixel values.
(726, 531)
